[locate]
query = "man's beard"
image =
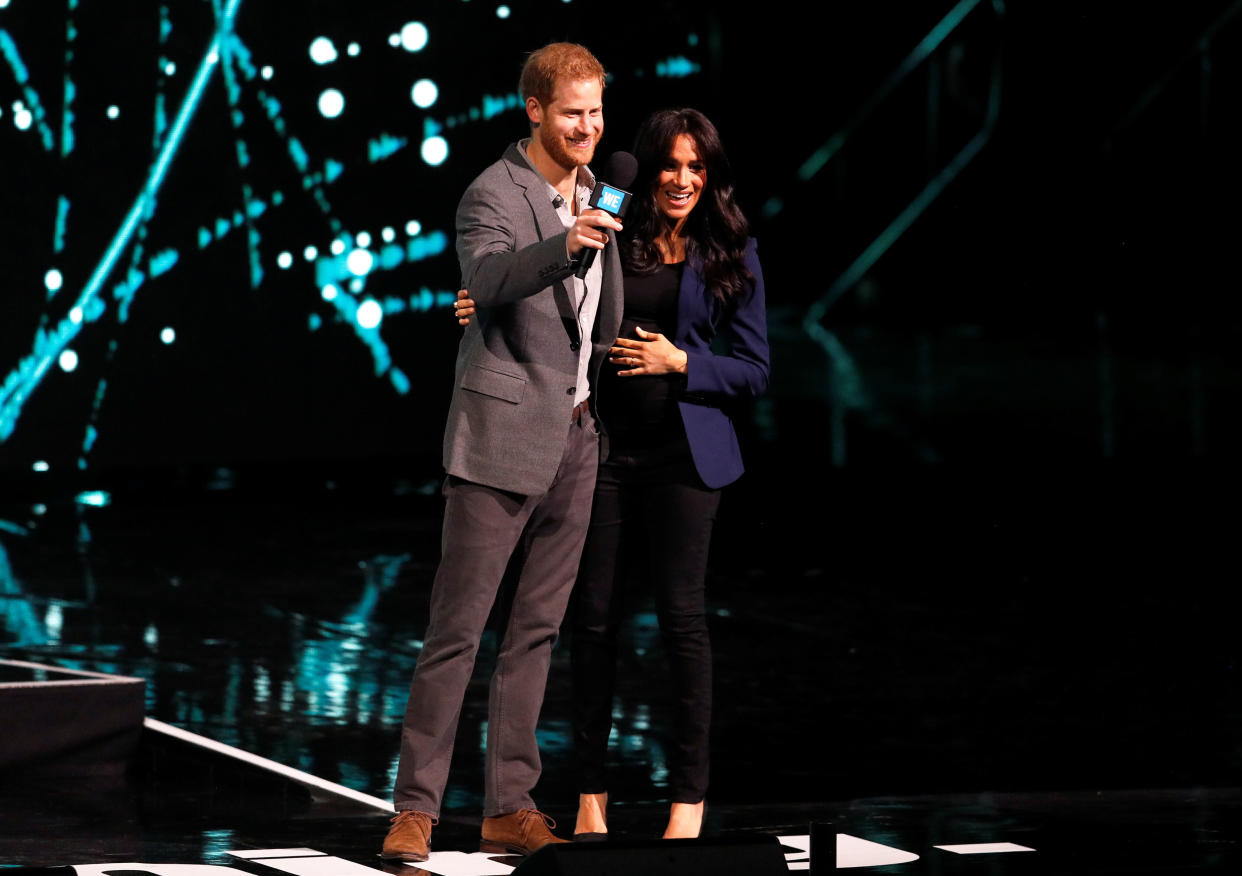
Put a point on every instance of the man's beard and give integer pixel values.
(562, 153)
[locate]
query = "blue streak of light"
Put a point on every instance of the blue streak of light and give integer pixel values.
(677, 67)
(6, 526)
(32, 369)
(162, 262)
(94, 498)
(62, 218)
(19, 615)
(9, 49)
(66, 125)
(384, 147)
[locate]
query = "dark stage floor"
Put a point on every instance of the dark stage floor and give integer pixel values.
(929, 656)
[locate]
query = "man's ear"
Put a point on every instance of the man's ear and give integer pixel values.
(534, 111)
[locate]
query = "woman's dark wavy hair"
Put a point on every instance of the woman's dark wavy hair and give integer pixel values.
(716, 231)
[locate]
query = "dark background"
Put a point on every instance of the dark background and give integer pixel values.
(990, 542)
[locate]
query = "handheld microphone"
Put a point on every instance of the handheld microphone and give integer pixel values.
(611, 196)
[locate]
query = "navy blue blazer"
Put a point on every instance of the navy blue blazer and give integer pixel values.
(716, 381)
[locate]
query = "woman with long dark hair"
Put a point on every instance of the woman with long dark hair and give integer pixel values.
(665, 401)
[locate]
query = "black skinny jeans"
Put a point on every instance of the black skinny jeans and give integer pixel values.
(646, 500)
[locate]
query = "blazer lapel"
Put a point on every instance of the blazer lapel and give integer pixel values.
(535, 190)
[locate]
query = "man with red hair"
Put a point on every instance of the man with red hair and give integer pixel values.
(520, 451)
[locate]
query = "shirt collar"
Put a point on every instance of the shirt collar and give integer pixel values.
(585, 180)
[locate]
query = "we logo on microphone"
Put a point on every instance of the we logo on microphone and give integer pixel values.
(611, 199)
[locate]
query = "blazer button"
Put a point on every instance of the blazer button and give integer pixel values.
(571, 390)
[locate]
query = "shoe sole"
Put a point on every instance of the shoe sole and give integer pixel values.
(493, 848)
(413, 857)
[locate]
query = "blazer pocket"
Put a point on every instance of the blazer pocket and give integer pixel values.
(498, 384)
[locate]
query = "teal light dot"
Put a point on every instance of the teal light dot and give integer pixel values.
(170, 68)
(267, 71)
(310, 253)
(413, 228)
(331, 103)
(363, 238)
(284, 260)
(76, 315)
(322, 51)
(370, 314)
(388, 234)
(23, 119)
(329, 292)
(68, 360)
(53, 280)
(360, 262)
(502, 12)
(424, 93)
(41, 465)
(434, 150)
(114, 111)
(168, 335)
(354, 50)
(338, 246)
(414, 36)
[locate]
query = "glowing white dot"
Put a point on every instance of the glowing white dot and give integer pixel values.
(394, 39)
(331, 103)
(41, 465)
(357, 284)
(424, 93)
(434, 150)
(168, 335)
(413, 227)
(76, 315)
(68, 360)
(213, 57)
(388, 234)
(338, 247)
(39, 510)
(310, 253)
(502, 11)
(360, 262)
(414, 36)
(363, 238)
(354, 50)
(53, 280)
(329, 292)
(4, 3)
(322, 51)
(170, 68)
(23, 119)
(114, 111)
(369, 314)
(267, 72)
(284, 260)
(18, 106)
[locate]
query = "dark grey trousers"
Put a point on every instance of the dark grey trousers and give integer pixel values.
(483, 527)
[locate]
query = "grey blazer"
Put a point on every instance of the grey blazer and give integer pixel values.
(517, 363)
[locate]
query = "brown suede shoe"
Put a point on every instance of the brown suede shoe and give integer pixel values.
(409, 838)
(518, 833)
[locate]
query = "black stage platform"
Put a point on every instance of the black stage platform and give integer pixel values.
(915, 660)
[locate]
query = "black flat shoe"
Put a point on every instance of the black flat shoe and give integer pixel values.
(590, 837)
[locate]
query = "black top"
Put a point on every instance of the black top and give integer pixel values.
(642, 409)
